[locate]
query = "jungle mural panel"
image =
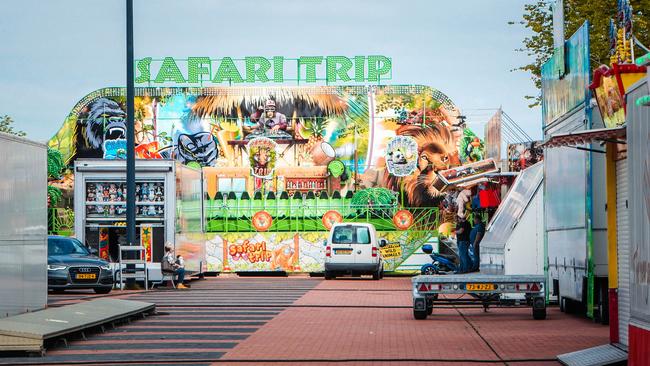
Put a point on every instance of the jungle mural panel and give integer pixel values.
(312, 126)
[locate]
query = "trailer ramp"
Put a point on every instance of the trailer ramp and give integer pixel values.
(607, 354)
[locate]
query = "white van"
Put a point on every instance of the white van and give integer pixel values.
(353, 248)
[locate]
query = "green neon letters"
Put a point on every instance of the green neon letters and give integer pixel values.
(258, 69)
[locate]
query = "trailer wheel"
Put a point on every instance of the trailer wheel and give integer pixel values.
(539, 314)
(419, 314)
(328, 275)
(429, 306)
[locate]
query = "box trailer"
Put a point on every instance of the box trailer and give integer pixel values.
(23, 225)
(635, 319)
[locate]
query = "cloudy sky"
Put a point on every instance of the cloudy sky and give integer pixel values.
(56, 52)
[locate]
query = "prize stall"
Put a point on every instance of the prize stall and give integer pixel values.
(100, 206)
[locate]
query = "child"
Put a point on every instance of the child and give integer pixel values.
(180, 261)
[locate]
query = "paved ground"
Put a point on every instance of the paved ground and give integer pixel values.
(298, 320)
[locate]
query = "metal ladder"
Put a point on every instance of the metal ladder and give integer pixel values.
(138, 274)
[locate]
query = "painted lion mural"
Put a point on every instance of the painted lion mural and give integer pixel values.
(437, 150)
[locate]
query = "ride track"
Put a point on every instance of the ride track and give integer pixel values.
(199, 326)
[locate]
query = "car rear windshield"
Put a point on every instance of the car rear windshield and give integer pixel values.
(65, 246)
(351, 235)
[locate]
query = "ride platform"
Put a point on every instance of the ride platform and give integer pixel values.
(28, 332)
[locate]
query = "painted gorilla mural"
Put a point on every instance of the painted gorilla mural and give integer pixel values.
(104, 120)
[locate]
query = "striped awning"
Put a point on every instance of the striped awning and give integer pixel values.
(615, 135)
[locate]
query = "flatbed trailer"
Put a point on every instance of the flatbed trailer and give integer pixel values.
(483, 289)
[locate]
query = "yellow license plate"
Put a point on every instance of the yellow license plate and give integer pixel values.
(480, 287)
(343, 251)
(86, 276)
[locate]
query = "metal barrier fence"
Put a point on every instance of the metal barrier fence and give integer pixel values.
(60, 221)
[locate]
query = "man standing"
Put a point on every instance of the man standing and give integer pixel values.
(463, 229)
(475, 237)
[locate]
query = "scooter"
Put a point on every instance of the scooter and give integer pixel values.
(442, 263)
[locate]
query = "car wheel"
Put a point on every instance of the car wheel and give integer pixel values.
(102, 290)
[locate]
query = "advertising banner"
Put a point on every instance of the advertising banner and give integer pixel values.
(146, 239)
(610, 101)
(562, 93)
(293, 251)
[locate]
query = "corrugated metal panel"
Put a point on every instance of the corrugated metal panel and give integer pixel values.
(23, 225)
(623, 249)
(638, 135)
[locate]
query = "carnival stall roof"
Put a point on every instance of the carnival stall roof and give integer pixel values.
(616, 135)
(224, 100)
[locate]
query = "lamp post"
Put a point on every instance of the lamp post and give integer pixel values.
(130, 138)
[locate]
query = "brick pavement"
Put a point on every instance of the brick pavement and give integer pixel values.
(327, 329)
(301, 320)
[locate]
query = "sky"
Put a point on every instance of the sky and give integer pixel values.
(56, 52)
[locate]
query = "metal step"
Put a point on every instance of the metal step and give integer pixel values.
(133, 275)
(133, 261)
(126, 248)
(596, 356)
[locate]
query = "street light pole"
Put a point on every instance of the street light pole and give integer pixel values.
(130, 138)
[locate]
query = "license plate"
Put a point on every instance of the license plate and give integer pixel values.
(480, 287)
(343, 251)
(86, 276)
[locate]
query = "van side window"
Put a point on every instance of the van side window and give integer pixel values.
(363, 235)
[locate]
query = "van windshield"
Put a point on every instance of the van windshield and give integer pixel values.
(351, 235)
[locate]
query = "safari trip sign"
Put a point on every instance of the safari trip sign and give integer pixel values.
(256, 69)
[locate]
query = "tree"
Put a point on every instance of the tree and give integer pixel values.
(538, 19)
(6, 123)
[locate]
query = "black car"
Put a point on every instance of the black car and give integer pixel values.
(71, 265)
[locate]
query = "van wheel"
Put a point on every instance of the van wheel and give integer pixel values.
(539, 314)
(328, 275)
(377, 275)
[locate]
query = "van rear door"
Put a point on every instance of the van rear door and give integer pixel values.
(342, 240)
(363, 245)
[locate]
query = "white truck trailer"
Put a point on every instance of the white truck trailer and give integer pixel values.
(512, 258)
(23, 225)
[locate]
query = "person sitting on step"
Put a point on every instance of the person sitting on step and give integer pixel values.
(169, 266)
